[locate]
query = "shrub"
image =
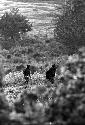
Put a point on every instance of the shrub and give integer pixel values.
(7, 44)
(70, 28)
(56, 49)
(27, 41)
(4, 52)
(8, 71)
(1, 74)
(31, 109)
(30, 50)
(18, 60)
(4, 110)
(68, 106)
(38, 56)
(8, 56)
(13, 24)
(20, 50)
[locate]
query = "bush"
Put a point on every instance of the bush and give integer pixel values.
(38, 56)
(27, 41)
(20, 50)
(30, 50)
(56, 49)
(13, 24)
(8, 71)
(4, 110)
(20, 67)
(70, 28)
(68, 106)
(32, 110)
(8, 56)
(18, 60)
(1, 74)
(7, 44)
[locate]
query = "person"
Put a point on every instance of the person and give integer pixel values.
(50, 74)
(26, 73)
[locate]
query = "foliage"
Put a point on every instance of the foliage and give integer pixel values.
(13, 24)
(7, 44)
(18, 60)
(60, 104)
(55, 49)
(70, 26)
(67, 108)
(32, 111)
(1, 72)
(4, 110)
(20, 50)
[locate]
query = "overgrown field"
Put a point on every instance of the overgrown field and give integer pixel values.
(40, 102)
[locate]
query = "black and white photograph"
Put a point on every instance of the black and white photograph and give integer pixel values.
(42, 62)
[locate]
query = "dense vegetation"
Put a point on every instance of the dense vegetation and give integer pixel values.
(39, 102)
(13, 25)
(61, 103)
(70, 27)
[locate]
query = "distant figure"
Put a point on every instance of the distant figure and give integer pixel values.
(50, 74)
(26, 73)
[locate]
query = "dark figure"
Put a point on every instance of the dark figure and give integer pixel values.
(26, 73)
(50, 74)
